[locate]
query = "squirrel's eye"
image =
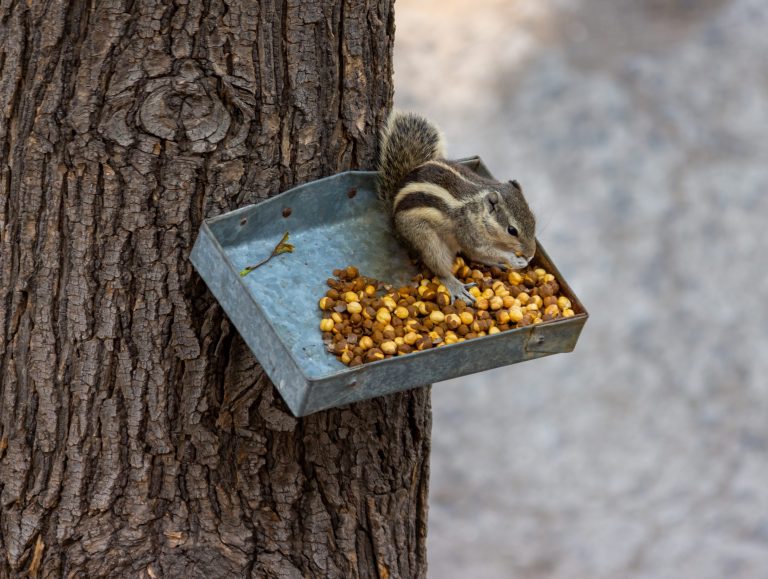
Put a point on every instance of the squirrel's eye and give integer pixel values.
(512, 231)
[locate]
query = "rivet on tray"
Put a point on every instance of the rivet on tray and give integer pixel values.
(352, 192)
(287, 211)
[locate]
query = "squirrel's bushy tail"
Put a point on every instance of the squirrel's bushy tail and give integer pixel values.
(407, 141)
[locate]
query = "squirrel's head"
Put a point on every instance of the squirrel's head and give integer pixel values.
(510, 223)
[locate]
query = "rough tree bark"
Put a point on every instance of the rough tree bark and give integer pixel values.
(138, 436)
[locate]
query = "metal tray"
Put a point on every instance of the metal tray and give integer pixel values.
(335, 222)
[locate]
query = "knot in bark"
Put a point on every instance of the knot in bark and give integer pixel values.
(186, 109)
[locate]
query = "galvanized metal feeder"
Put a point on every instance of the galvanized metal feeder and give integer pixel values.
(334, 222)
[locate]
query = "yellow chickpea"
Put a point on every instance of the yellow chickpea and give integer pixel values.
(389, 347)
(437, 317)
(383, 316)
(453, 320)
(351, 297)
(401, 312)
(515, 314)
(552, 310)
(515, 278)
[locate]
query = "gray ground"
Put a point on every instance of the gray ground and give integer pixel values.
(639, 130)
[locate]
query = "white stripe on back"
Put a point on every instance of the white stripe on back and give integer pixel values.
(430, 188)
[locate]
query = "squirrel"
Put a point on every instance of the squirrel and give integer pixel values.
(440, 208)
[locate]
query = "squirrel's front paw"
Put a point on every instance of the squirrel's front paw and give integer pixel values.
(506, 266)
(458, 290)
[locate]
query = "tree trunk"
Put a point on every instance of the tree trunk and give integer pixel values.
(138, 435)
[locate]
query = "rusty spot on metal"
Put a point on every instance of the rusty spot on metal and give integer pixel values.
(287, 211)
(243, 221)
(352, 192)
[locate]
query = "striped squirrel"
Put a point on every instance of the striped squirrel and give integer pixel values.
(440, 208)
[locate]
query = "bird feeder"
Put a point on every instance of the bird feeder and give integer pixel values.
(334, 222)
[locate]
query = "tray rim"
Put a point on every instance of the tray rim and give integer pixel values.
(346, 370)
(303, 403)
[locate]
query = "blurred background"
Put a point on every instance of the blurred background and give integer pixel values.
(639, 131)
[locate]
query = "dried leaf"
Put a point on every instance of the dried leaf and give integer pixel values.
(281, 247)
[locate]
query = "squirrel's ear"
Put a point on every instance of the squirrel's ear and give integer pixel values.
(492, 199)
(515, 184)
